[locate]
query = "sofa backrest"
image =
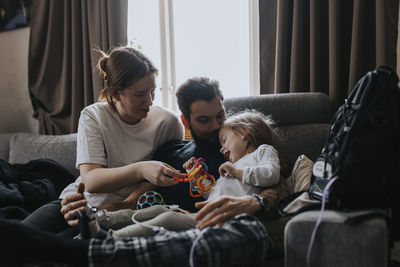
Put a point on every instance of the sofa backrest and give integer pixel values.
(24, 147)
(302, 120)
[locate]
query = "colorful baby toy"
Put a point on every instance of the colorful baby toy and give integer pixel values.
(197, 187)
(150, 198)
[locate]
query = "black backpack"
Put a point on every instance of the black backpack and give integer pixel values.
(359, 165)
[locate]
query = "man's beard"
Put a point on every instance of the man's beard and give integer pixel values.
(210, 139)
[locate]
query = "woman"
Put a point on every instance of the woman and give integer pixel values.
(116, 139)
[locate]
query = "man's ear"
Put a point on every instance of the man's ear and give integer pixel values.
(184, 121)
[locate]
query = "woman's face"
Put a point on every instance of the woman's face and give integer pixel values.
(233, 146)
(134, 102)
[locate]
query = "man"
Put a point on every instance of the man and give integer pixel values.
(200, 101)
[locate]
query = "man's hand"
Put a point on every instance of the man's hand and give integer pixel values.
(222, 210)
(72, 203)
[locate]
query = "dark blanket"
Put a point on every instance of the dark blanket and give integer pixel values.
(26, 187)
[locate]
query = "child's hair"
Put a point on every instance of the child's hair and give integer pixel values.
(121, 67)
(254, 126)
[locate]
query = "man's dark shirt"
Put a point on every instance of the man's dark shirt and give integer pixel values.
(176, 153)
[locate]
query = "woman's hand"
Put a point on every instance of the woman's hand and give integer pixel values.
(99, 179)
(222, 210)
(227, 169)
(72, 203)
(159, 173)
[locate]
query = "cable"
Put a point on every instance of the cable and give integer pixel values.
(314, 232)
(194, 245)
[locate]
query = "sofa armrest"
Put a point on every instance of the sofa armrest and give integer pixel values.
(336, 243)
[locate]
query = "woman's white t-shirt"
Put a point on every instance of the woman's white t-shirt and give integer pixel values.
(104, 139)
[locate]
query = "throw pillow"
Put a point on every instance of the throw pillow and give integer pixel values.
(299, 180)
(301, 174)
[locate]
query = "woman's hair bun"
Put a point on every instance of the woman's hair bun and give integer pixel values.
(103, 63)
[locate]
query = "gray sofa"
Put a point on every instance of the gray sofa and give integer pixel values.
(303, 120)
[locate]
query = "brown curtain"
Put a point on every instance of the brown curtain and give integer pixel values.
(324, 45)
(62, 78)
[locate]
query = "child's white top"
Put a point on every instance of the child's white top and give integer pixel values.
(104, 139)
(261, 169)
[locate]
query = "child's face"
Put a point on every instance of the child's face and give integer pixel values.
(234, 146)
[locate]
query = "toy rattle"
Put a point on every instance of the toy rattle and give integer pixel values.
(197, 188)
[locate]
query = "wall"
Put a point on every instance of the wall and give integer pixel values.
(15, 106)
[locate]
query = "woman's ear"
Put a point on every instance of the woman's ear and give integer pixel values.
(184, 121)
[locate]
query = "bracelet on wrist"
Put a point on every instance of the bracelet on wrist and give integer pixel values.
(260, 200)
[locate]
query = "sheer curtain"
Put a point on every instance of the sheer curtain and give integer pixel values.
(61, 62)
(324, 46)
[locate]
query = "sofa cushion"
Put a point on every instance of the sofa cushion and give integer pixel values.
(25, 147)
(299, 180)
(5, 146)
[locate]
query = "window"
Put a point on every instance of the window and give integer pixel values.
(187, 38)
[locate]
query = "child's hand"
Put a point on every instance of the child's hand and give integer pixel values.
(229, 170)
(190, 164)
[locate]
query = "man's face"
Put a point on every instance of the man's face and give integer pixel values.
(206, 118)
